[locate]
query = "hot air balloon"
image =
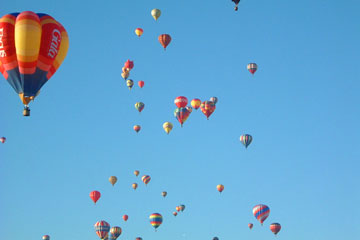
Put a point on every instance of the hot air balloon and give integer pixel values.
(207, 107)
(164, 194)
(155, 13)
(189, 108)
(156, 220)
(195, 103)
(246, 139)
(236, 4)
(182, 207)
(141, 84)
(3, 139)
(125, 75)
(275, 228)
(125, 70)
(32, 48)
(136, 172)
(134, 186)
(125, 217)
(139, 106)
(252, 67)
(181, 101)
(181, 114)
(175, 214)
(178, 208)
(95, 195)
(168, 126)
(261, 212)
(46, 237)
(214, 100)
(146, 179)
(220, 187)
(164, 40)
(115, 232)
(129, 83)
(113, 180)
(129, 64)
(250, 225)
(137, 128)
(102, 229)
(138, 238)
(139, 31)
(215, 238)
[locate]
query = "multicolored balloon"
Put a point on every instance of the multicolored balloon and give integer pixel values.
(246, 139)
(175, 214)
(102, 229)
(214, 100)
(125, 75)
(181, 101)
(252, 67)
(139, 32)
(156, 220)
(182, 207)
(95, 195)
(155, 13)
(181, 114)
(164, 193)
(137, 128)
(261, 212)
(129, 83)
(3, 139)
(189, 108)
(168, 126)
(134, 186)
(195, 103)
(125, 217)
(146, 179)
(115, 232)
(207, 107)
(136, 172)
(178, 208)
(220, 187)
(139, 106)
(141, 84)
(138, 238)
(129, 64)
(275, 228)
(113, 180)
(250, 225)
(164, 40)
(32, 48)
(46, 237)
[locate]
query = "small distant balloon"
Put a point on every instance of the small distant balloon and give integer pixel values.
(178, 208)
(207, 108)
(195, 103)
(146, 179)
(137, 128)
(129, 64)
(164, 40)
(136, 172)
(164, 193)
(141, 84)
(252, 67)
(139, 32)
(46, 237)
(246, 139)
(215, 238)
(250, 225)
(175, 214)
(181, 101)
(168, 126)
(139, 106)
(95, 195)
(129, 83)
(214, 100)
(275, 228)
(138, 238)
(220, 187)
(3, 139)
(155, 13)
(113, 180)
(125, 217)
(134, 186)
(182, 207)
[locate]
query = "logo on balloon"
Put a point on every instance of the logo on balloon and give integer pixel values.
(2, 51)
(55, 43)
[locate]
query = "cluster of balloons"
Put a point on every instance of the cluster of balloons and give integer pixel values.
(29, 58)
(102, 229)
(261, 213)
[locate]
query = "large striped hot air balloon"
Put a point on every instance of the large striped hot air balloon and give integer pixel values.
(246, 139)
(46, 237)
(146, 179)
(275, 228)
(32, 48)
(261, 212)
(156, 220)
(102, 229)
(252, 67)
(115, 232)
(181, 114)
(95, 195)
(207, 107)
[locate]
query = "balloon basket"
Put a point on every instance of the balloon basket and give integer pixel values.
(26, 112)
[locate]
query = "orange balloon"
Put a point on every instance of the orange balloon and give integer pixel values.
(164, 40)
(220, 187)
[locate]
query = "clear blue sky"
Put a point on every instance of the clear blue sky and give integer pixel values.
(301, 107)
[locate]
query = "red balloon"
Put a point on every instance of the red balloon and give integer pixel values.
(125, 217)
(164, 40)
(250, 225)
(275, 228)
(181, 102)
(95, 195)
(207, 107)
(141, 84)
(129, 64)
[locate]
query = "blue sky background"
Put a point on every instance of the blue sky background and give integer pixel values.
(301, 107)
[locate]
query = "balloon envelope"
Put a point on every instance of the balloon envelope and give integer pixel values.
(102, 229)
(3, 139)
(113, 180)
(46, 237)
(141, 84)
(168, 126)
(125, 217)
(207, 108)
(275, 228)
(195, 103)
(136, 172)
(246, 139)
(134, 186)
(181, 101)
(164, 193)
(95, 195)
(155, 13)
(252, 67)
(139, 31)
(146, 179)
(137, 128)
(250, 225)
(220, 187)
(156, 220)
(261, 212)
(164, 40)
(115, 232)
(139, 106)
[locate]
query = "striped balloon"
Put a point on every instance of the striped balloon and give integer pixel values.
(102, 229)
(261, 212)
(146, 179)
(246, 139)
(207, 107)
(181, 114)
(156, 220)
(275, 228)
(252, 67)
(115, 232)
